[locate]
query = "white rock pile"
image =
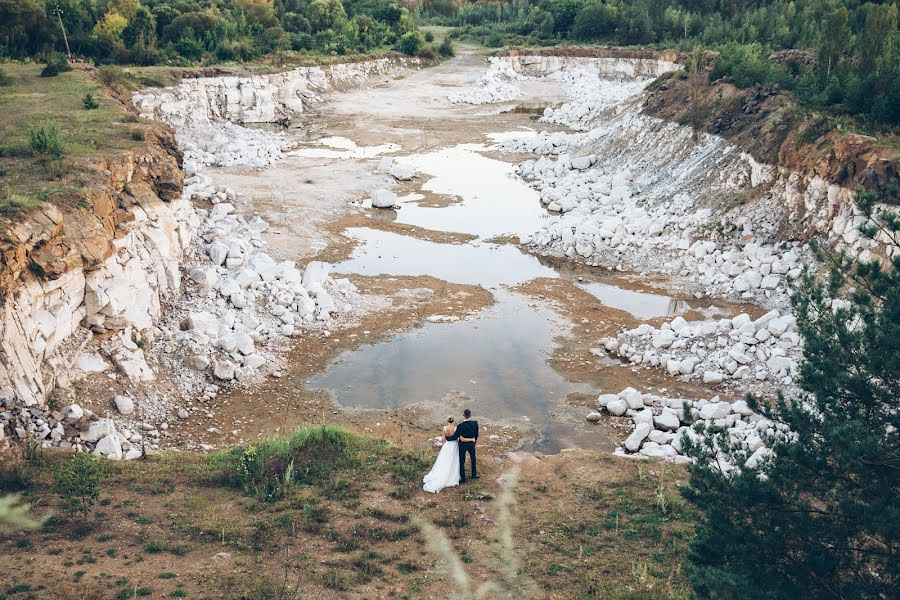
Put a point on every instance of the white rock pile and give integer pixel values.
(606, 221)
(767, 349)
(660, 424)
(499, 83)
(241, 299)
(76, 428)
(591, 94)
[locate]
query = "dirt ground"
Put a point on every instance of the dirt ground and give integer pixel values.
(582, 526)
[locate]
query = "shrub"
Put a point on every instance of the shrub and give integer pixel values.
(747, 65)
(411, 43)
(427, 52)
(137, 135)
(429, 37)
(112, 76)
(89, 102)
(56, 65)
(446, 48)
(14, 515)
(310, 455)
(4, 78)
(77, 482)
(44, 141)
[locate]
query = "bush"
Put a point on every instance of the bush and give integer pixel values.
(314, 455)
(427, 52)
(747, 65)
(77, 482)
(446, 48)
(44, 141)
(137, 135)
(4, 78)
(90, 103)
(411, 43)
(112, 76)
(429, 37)
(56, 65)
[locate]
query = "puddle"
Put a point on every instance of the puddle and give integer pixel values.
(485, 264)
(642, 305)
(476, 263)
(341, 148)
(498, 361)
(495, 201)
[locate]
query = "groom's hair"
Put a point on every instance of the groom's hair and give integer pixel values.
(467, 413)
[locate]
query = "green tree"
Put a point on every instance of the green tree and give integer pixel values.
(411, 43)
(141, 30)
(834, 38)
(593, 22)
(818, 515)
(879, 33)
(77, 482)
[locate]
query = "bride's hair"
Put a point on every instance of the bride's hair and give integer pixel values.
(450, 419)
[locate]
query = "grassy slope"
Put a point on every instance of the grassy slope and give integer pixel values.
(182, 525)
(31, 100)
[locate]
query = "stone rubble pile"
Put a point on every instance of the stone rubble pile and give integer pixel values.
(229, 145)
(591, 95)
(767, 349)
(77, 429)
(661, 423)
(544, 143)
(240, 299)
(499, 83)
(606, 220)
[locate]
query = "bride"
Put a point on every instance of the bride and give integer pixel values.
(445, 472)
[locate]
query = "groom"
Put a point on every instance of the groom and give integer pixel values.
(467, 434)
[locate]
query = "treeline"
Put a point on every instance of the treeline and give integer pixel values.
(850, 63)
(182, 32)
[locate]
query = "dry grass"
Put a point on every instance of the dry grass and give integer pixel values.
(577, 525)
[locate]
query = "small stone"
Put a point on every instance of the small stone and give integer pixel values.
(124, 404)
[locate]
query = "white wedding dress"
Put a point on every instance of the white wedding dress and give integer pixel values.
(445, 472)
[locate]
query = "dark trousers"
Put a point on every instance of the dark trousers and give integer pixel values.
(465, 447)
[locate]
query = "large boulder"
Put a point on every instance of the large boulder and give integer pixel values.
(637, 437)
(124, 404)
(224, 370)
(667, 421)
(616, 407)
(98, 429)
(633, 398)
(109, 446)
(203, 322)
(384, 199)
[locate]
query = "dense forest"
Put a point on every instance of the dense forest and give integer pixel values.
(850, 62)
(181, 32)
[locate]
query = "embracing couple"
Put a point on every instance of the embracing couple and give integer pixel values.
(450, 467)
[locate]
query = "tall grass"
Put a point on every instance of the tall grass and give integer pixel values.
(515, 584)
(327, 456)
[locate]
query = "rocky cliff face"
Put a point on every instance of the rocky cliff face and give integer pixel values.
(104, 264)
(208, 112)
(744, 164)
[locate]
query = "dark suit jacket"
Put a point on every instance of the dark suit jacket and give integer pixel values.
(466, 429)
